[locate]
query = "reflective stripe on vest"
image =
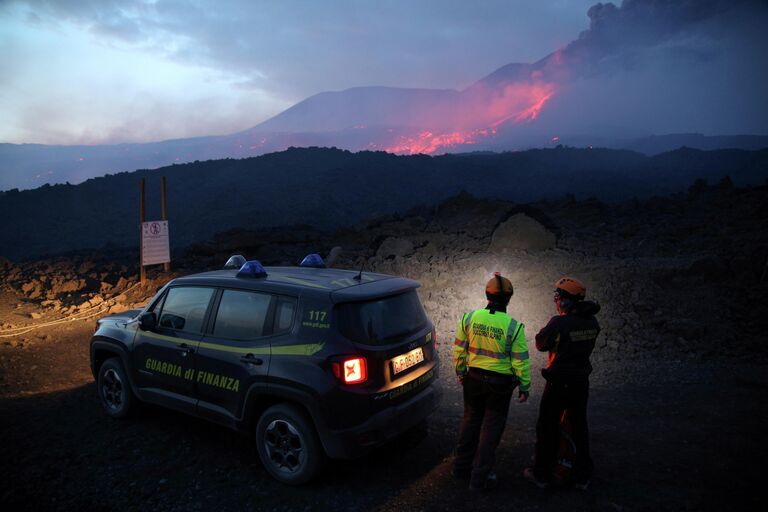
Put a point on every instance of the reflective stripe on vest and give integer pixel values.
(486, 353)
(520, 356)
(467, 322)
(510, 333)
(464, 343)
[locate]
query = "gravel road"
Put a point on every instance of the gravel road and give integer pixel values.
(670, 435)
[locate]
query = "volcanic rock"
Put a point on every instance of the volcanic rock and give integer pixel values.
(70, 286)
(521, 232)
(29, 286)
(393, 247)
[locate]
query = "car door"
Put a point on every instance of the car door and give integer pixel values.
(164, 358)
(235, 353)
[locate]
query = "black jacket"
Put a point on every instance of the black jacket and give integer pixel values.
(570, 339)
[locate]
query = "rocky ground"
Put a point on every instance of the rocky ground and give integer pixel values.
(679, 393)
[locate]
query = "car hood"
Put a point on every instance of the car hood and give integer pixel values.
(125, 316)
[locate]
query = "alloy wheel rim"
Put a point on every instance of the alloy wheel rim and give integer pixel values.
(285, 446)
(112, 389)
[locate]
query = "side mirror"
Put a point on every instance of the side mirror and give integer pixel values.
(147, 321)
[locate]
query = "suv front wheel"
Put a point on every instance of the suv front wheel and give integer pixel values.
(114, 389)
(288, 445)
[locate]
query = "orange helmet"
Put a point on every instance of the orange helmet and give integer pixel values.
(498, 288)
(572, 287)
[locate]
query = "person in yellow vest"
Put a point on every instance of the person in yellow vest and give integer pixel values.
(490, 356)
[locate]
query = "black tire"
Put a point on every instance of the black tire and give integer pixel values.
(115, 389)
(288, 445)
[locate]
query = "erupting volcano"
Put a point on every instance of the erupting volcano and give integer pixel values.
(412, 121)
(623, 82)
(482, 111)
(427, 121)
(597, 80)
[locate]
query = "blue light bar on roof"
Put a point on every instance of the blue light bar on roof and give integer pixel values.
(252, 268)
(312, 261)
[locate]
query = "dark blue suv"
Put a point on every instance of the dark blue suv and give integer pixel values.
(313, 361)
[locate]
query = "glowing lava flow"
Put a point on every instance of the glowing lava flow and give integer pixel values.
(428, 143)
(479, 116)
(539, 95)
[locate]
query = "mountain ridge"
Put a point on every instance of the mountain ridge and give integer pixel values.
(331, 187)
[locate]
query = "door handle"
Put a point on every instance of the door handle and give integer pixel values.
(185, 350)
(251, 359)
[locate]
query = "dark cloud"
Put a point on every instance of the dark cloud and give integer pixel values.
(619, 36)
(302, 47)
(664, 66)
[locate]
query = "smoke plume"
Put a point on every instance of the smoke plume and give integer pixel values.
(646, 66)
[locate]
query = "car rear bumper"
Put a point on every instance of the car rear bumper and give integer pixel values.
(382, 427)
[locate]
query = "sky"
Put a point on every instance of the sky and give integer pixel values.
(115, 71)
(109, 71)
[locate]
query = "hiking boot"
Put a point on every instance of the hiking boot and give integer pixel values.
(491, 482)
(530, 475)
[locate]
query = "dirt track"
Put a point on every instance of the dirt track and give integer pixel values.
(676, 435)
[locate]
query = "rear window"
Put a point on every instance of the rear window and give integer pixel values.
(382, 321)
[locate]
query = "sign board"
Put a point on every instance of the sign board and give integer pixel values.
(154, 242)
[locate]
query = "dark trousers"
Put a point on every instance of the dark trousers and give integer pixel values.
(557, 398)
(486, 405)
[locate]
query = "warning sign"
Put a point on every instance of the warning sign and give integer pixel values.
(154, 242)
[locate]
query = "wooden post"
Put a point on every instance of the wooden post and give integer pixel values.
(142, 270)
(166, 265)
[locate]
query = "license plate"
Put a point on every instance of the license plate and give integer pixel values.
(407, 360)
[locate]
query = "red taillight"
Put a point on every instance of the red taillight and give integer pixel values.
(354, 371)
(351, 371)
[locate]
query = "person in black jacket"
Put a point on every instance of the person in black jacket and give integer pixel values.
(569, 338)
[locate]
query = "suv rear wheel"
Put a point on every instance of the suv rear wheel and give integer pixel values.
(288, 445)
(115, 389)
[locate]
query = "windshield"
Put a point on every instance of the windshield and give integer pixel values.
(382, 321)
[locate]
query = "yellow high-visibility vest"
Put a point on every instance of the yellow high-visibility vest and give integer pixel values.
(494, 341)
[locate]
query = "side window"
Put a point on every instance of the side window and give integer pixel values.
(286, 308)
(184, 308)
(241, 315)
